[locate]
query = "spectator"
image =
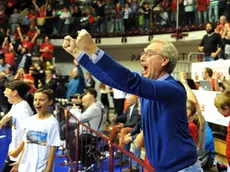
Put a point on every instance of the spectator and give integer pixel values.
(214, 6)
(100, 10)
(15, 19)
(166, 6)
(131, 129)
(126, 119)
(146, 12)
(8, 72)
(31, 18)
(27, 42)
(10, 56)
(207, 74)
(41, 137)
(76, 83)
(50, 82)
(6, 45)
(15, 92)
(160, 127)
(93, 117)
(89, 82)
(3, 64)
(24, 59)
(211, 44)
(104, 90)
(31, 32)
(46, 50)
(49, 20)
(77, 15)
(119, 27)
(189, 11)
(135, 6)
(205, 138)
(130, 137)
(66, 20)
(118, 101)
(29, 79)
(3, 17)
(222, 7)
(193, 129)
(226, 41)
(42, 10)
(202, 11)
(164, 18)
(39, 74)
(222, 103)
(222, 26)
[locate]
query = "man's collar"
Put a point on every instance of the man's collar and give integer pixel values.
(164, 77)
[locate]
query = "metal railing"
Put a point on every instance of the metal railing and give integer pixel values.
(100, 142)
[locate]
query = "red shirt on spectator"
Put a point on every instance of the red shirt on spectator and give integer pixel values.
(50, 46)
(42, 13)
(5, 49)
(27, 44)
(10, 58)
(174, 5)
(16, 35)
(193, 131)
(31, 78)
(31, 34)
(32, 18)
(228, 145)
(202, 5)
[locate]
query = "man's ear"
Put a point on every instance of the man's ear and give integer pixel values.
(165, 62)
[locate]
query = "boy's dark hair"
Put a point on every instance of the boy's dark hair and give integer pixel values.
(209, 71)
(92, 92)
(21, 87)
(48, 92)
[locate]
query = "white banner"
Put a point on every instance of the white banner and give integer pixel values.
(221, 66)
(206, 101)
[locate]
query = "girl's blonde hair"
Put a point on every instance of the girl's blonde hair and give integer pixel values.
(197, 118)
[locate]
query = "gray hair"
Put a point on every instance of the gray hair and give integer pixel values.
(169, 51)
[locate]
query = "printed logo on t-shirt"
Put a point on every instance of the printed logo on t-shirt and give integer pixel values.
(14, 123)
(36, 137)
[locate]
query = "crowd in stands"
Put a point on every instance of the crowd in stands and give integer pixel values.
(215, 44)
(64, 17)
(19, 43)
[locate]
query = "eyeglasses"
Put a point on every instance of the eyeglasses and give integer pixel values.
(150, 53)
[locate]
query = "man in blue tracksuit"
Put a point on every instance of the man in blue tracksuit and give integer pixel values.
(169, 146)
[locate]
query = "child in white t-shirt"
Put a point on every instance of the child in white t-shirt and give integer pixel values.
(41, 138)
(15, 92)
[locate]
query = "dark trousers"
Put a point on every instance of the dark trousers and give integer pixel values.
(84, 144)
(7, 167)
(71, 127)
(119, 106)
